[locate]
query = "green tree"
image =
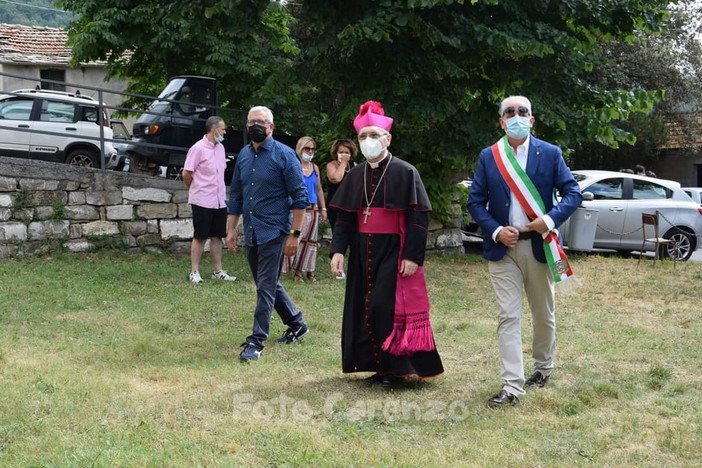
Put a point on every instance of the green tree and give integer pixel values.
(670, 61)
(238, 42)
(440, 67)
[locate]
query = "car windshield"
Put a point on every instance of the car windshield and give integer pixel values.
(168, 93)
(120, 130)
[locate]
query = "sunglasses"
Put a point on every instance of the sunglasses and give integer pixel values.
(509, 111)
(308, 149)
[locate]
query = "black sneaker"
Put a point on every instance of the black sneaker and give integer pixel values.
(537, 379)
(251, 352)
(291, 336)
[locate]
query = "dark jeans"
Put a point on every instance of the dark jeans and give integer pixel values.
(265, 261)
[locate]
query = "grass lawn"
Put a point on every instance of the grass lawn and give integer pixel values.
(110, 359)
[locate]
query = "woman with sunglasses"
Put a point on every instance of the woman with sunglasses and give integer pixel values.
(305, 261)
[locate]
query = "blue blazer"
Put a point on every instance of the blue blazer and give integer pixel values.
(490, 199)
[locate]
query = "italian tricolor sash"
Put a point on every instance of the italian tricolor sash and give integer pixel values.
(524, 190)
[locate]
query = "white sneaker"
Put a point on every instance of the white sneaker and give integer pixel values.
(195, 277)
(223, 275)
(341, 276)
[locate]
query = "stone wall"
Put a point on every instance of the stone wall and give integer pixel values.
(47, 205)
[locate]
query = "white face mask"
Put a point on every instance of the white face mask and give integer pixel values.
(219, 138)
(371, 148)
(307, 156)
(341, 156)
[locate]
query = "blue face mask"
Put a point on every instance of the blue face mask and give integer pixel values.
(517, 127)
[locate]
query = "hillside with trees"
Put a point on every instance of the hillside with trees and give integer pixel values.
(33, 13)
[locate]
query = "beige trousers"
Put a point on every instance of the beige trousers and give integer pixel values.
(518, 270)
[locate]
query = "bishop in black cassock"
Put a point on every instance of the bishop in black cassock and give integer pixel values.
(383, 215)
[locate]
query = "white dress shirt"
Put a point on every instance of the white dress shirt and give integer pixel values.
(517, 216)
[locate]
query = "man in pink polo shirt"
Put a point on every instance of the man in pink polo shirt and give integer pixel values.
(203, 174)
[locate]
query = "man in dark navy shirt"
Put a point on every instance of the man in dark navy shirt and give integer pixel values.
(266, 186)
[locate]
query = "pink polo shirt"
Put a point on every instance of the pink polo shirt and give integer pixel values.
(206, 160)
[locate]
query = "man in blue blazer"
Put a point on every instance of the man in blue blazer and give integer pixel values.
(514, 241)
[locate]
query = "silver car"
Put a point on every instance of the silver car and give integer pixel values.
(621, 198)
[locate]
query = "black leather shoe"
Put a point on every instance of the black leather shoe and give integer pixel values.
(537, 379)
(503, 399)
(390, 381)
(373, 379)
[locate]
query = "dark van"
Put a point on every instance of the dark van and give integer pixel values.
(175, 121)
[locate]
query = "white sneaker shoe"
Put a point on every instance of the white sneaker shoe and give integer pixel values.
(195, 277)
(341, 276)
(223, 275)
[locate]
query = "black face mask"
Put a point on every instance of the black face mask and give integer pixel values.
(257, 133)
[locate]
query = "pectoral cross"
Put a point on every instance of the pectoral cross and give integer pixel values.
(366, 213)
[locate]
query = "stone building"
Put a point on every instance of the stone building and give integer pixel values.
(41, 53)
(682, 154)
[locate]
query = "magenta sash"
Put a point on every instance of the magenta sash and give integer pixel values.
(411, 325)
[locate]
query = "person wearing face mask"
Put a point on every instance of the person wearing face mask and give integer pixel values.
(305, 260)
(383, 215)
(343, 154)
(511, 198)
(267, 185)
(203, 174)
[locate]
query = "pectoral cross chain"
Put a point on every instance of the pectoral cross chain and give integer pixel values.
(367, 212)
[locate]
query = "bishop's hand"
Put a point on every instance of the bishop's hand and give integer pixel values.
(337, 264)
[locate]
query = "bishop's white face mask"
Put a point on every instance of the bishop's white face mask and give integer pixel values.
(371, 148)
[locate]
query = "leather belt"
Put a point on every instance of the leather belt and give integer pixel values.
(525, 235)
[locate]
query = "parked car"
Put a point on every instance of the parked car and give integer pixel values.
(71, 118)
(695, 193)
(621, 198)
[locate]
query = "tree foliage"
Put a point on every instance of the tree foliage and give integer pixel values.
(440, 67)
(671, 62)
(239, 42)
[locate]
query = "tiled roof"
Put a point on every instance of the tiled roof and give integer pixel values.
(684, 131)
(33, 44)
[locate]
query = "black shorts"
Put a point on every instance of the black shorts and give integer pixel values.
(209, 222)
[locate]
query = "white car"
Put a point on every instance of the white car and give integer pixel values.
(621, 198)
(695, 193)
(53, 126)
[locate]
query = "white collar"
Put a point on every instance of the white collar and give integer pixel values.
(377, 163)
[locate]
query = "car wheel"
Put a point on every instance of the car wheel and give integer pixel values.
(174, 173)
(682, 246)
(83, 157)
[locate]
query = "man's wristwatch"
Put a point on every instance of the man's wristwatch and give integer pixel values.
(295, 232)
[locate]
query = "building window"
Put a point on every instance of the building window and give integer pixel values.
(56, 75)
